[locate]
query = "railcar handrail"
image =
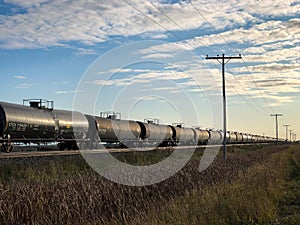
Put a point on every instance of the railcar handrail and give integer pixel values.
(39, 103)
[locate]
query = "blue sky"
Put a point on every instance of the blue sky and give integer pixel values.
(147, 59)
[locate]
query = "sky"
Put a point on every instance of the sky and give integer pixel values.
(147, 59)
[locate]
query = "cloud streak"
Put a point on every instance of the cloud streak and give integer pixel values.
(19, 77)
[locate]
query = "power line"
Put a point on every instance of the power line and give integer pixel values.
(198, 11)
(154, 21)
(179, 38)
(272, 110)
(177, 24)
(150, 1)
(212, 26)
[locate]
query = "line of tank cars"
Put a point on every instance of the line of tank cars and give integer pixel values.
(39, 123)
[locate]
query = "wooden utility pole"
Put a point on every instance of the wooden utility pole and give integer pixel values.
(286, 131)
(291, 135)
(276, 116)
(223, 58)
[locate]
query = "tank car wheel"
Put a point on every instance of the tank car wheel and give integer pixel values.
(10, 147)
(3, 148)
(7, 147)
(81, 146)
(61, 146)
(71, 146)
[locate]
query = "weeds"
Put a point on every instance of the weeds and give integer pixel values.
(66, 191)
(259, 195)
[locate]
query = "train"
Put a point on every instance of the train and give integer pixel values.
(36, 121)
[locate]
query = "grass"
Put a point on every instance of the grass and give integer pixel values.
(55, 190)
(35, 169)
(267, 193)
(289, 205)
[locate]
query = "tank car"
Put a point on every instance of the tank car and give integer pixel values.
(124, 132)
(176, 130)
(261, 138)
(157, 135)
(244, 138)
(202, 136)
(215, 137)
(257, 138)
(231, 137)
(188, 136)
(184, 136)
(239, 137)
(24, 124)
(249, 138)
(72, 129)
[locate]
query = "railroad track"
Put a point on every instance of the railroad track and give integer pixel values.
(24, 154)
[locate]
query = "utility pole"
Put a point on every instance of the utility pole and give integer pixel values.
(223, 58)
(286, 131)
(291, 135)
(276, 116)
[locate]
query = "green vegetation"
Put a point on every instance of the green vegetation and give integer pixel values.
(289, 205)
(37, 169)
(256, 185)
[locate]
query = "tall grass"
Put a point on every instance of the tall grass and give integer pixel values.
(255, 197)
(66, 191)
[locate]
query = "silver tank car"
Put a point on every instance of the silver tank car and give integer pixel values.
(245, 137)
(260, 138)
(231, 137)
(239, 137)
(125, 131)
(215, 137)
(252, 138)
(187, 136)
(19, 123)
(72, 129)
(182, 135)
(249, 138)
(202, 136)
(158, 135)
(176, 133)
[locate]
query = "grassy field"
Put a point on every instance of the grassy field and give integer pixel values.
(256, 185)
(266, 193)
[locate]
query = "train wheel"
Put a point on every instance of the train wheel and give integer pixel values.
(61, 146)
(7, 147)
(81, 146)
(10, 147)
(72, 146)
(3, 148)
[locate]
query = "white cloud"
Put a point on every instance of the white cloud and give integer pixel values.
(26, 4)
(24, 86)
(84, 51)
(68, 92)
(157, 56)
(257, 29)
(19, 77)
(150, 98)
(57, 22)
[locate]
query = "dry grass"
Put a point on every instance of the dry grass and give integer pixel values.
(259, 195)
(72, 194)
